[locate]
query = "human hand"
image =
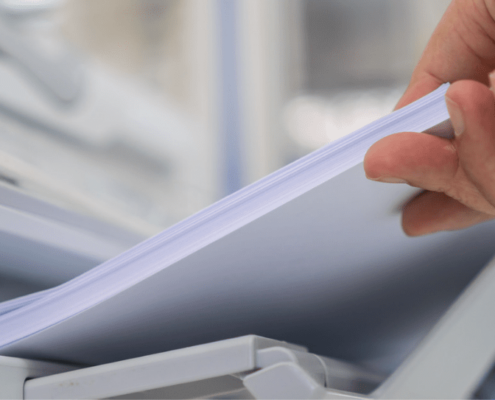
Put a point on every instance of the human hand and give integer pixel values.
(458, 174)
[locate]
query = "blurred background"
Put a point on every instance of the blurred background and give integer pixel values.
(143, 112)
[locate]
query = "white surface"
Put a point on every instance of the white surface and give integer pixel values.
(47, 245)
(295, 256)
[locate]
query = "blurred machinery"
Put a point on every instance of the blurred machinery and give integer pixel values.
(86, 136)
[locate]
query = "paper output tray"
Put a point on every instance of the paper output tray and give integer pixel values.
(233, 368)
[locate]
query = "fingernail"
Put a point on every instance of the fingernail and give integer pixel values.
(491, 78)
(456, 117)
(389, 179)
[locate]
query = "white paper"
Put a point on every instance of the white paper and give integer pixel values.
(310, 255)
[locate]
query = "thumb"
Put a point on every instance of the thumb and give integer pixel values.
(471, 107)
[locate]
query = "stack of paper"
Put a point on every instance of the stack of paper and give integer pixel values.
(312, 254)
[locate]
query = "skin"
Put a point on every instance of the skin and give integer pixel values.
(458, 174)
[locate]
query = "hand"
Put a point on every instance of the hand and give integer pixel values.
(458, 174)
